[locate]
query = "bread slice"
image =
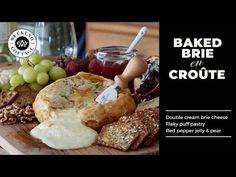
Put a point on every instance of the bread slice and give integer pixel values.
(118, 135)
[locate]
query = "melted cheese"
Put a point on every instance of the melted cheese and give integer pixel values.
(64, 133)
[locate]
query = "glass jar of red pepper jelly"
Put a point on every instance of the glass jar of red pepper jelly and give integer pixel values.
(109, 61)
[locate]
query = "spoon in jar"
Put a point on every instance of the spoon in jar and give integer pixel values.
(134, 68)
(136, 40)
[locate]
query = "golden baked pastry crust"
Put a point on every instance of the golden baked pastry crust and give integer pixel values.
(80, 92)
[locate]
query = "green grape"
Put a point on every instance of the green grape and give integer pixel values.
(35, 58)
(6, 86)
(57, 73)
(16, 80)
(13, 72)
(22, 69)
(35, 87)
(40, 68)
(1, 85)
(24, 61)
(47, 64)
(42, 78)
(29, 75)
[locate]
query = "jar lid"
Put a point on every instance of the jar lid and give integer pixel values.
(114, 53)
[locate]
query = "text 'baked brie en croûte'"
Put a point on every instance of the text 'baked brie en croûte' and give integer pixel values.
(74, 98)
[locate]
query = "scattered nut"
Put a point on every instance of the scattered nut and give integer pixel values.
(11, 114)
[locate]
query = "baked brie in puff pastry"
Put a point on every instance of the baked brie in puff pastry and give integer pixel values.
(74, 98)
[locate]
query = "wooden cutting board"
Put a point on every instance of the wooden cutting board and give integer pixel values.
(15, 139)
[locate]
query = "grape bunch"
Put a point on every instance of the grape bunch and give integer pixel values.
(72, 66)
(36, 72)
(5, 86)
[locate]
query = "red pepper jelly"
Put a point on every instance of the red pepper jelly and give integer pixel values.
(109, 61)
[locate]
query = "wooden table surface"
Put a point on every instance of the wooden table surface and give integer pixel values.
(5, 66)
(9, 139)
(3, 152)
(16, 140)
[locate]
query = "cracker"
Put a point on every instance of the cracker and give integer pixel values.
(7, 97)
(25, 96)
(118, 135)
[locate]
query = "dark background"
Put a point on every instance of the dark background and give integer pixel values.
(197, 94)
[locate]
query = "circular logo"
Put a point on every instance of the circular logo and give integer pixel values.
(22, 43)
